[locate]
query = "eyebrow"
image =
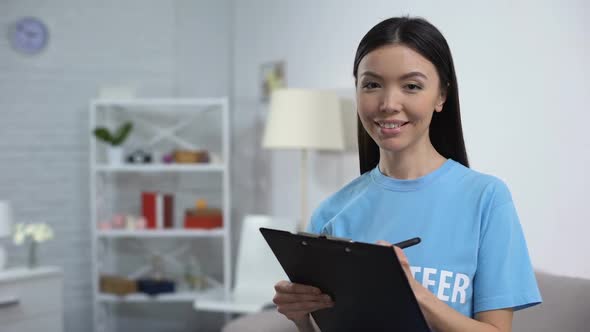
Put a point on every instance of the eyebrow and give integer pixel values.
(403, 77)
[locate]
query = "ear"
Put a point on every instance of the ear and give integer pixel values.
(441, 99)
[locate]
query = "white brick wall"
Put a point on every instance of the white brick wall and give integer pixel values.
(169, 48)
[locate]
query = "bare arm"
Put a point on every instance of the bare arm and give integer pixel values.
(308, 326)
(296, 302)
(443, 318)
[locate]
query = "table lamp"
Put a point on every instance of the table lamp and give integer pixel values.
(304, 120)
(5, 228)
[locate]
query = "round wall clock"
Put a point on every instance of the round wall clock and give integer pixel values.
(29, 35)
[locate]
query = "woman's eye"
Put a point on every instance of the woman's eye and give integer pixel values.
(413, 87)
(370, 85)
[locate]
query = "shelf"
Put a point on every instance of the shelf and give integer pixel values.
(219, 232)
(160, 102)
(20, 273)
(172, 297)
(179, 296)
(153, 168)
(162, 124)
(216, 300)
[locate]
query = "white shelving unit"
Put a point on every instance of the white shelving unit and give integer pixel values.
(161, 168)
(159, 233)
(187, 296)
(165, 120)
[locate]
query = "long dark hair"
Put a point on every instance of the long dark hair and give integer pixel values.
(446, 133)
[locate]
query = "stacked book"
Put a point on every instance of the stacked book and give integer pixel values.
(158, 210)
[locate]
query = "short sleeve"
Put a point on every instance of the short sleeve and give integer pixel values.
(316, 223)
(504, 277)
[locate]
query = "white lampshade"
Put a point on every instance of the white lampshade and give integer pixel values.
(304, 119)
(5, 219)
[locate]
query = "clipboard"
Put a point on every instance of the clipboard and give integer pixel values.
(366, 281)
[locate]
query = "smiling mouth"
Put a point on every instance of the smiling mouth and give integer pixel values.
(391, 125)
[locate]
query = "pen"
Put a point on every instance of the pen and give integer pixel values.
(408, 243)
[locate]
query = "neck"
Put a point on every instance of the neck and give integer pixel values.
(412, 162)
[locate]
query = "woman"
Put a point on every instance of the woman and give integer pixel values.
(472, 269)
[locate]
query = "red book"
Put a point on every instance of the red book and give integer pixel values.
(168, 211)
(149, 209)
(159, 211)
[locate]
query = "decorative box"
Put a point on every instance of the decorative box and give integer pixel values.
(203, 218)
(156, 286)
(117, 285)
(188, 156)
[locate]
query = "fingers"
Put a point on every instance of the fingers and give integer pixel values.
(305, 307)
(288, 292)
(296, 301)
(384, 243)
(281, 298)
(284, 286)
(401, 256)
(398, 252)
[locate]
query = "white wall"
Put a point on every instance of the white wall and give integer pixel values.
(167, 48)
(523, 81)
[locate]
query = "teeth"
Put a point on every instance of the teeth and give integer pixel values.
(389, 125)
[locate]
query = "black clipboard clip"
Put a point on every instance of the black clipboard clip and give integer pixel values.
(401, 245)
(324, 236)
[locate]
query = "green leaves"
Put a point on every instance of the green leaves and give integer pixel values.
(122, 133)
(117, 138)
(103, 134)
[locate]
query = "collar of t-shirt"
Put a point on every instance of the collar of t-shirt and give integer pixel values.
(410, 185)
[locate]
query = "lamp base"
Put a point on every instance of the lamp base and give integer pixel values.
(2, 257)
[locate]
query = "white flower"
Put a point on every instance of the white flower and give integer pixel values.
(19, 235)
(38, 232)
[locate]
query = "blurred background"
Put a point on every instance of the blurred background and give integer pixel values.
(523, 78)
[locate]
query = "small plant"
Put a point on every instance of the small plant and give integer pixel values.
(114, 139)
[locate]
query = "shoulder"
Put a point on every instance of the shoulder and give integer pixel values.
(338, 201)
(486, 187)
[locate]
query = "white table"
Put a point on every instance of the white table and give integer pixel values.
(31, 300)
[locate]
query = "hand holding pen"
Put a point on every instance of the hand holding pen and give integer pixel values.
(405, 263)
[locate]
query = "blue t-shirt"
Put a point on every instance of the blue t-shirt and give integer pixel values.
(473, 255)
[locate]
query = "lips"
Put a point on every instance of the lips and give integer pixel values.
(390, 128)
(391, 124)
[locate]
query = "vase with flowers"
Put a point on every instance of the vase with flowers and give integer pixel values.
(33, 233)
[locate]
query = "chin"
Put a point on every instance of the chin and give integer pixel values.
(389, 146)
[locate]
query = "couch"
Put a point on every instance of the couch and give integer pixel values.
(565, 308)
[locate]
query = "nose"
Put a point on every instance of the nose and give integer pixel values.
(391, 102)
